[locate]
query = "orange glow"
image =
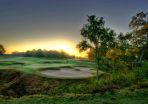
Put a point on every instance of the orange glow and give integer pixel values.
(58, 45)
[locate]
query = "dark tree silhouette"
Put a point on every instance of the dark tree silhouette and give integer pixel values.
(2, 49)
(43, 53)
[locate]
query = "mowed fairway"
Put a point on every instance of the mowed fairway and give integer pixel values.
(55, 68)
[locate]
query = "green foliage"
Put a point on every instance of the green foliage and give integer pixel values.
(96, 37)
(142, 72)
(123, 79)
(113, 81)
(139, 35)
(112, 66)
(120, 79)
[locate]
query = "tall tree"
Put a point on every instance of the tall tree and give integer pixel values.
(139, 26)
(97, 37)
(2, 49)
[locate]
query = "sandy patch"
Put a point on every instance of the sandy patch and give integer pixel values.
(78, 72)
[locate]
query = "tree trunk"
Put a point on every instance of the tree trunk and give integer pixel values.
(143, 51)
(97, 74)
(141, 56)
(97, 62)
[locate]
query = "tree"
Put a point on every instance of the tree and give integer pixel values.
(123, 42)
(2, 49)
(113, 54)
(90, 54)
(95, 36)
(139, 26)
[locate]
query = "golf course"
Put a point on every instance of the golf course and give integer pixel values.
(35, 80)
(73, 51)
(54, 68)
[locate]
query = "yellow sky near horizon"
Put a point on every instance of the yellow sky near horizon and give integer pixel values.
(58, 45)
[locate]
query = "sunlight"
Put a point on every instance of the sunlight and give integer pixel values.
(66, 46)
(62, 47)
(59, 45)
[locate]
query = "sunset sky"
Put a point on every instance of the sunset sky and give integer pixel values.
(56, 24)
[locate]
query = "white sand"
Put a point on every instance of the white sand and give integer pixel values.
(81, 72)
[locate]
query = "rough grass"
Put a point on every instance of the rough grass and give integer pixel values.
(15, 83)
(121, 97)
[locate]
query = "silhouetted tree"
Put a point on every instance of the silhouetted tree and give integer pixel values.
(96, 37)
(2, 49)
(42, 53)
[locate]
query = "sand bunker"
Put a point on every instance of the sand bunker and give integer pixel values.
(78, 72)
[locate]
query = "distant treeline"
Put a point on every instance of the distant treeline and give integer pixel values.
(43, 53)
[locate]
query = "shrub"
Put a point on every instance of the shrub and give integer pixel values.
(141, 73)
(111, 66)
(113, 81)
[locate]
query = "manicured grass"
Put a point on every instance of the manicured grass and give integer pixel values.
(120, 97)
(31, 64)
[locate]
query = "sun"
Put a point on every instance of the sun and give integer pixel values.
(63, 47)
(67, 47)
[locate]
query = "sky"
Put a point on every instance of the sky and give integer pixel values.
(56, 24)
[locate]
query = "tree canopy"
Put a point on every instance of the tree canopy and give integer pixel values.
(95, 36)
(139, 35)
